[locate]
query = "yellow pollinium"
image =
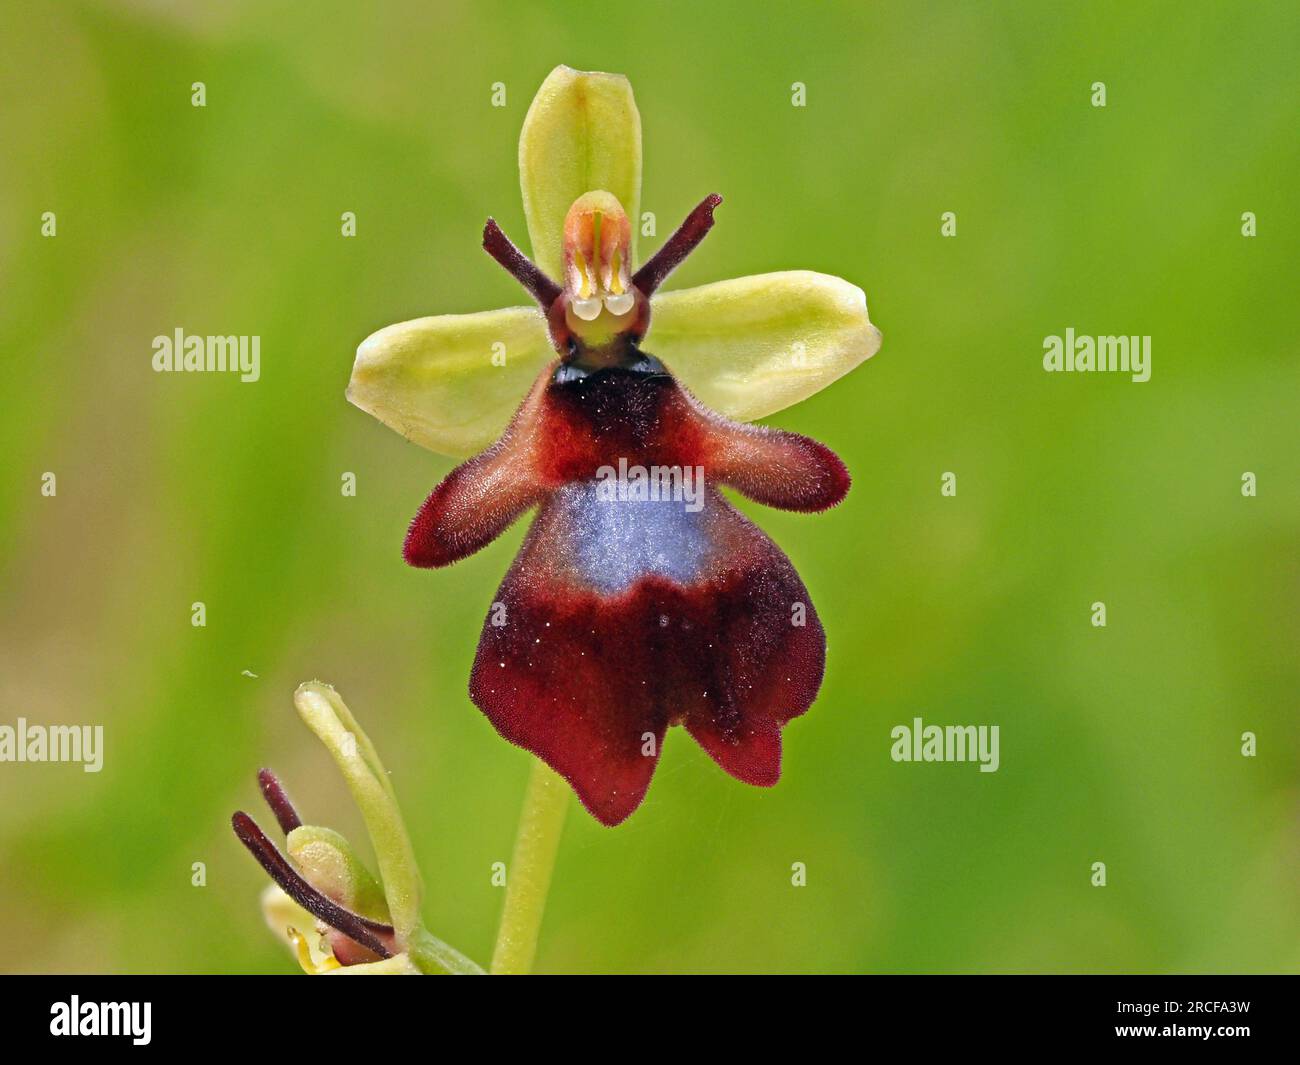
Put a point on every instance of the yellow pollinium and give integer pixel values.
(303, 950)
(616, 285)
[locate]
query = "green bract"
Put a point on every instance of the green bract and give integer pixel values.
(326, 715)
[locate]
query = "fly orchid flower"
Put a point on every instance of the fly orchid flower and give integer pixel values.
(624, 612)
(365, 926)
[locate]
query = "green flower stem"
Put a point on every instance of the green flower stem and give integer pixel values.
(529, 877)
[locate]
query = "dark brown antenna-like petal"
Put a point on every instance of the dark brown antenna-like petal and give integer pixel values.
(519, 266)
(678, 246)
(361, 930)
(274, 794)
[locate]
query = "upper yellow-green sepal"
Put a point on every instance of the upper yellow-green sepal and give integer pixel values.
(582, 132)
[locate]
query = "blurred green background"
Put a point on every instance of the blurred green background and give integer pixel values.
(1119, 745)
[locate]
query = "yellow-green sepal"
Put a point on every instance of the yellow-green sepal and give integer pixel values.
(452, 381)
(752, 346)
(582, 132)
(327, 861)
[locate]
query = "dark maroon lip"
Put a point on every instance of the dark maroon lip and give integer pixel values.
(618, 620)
